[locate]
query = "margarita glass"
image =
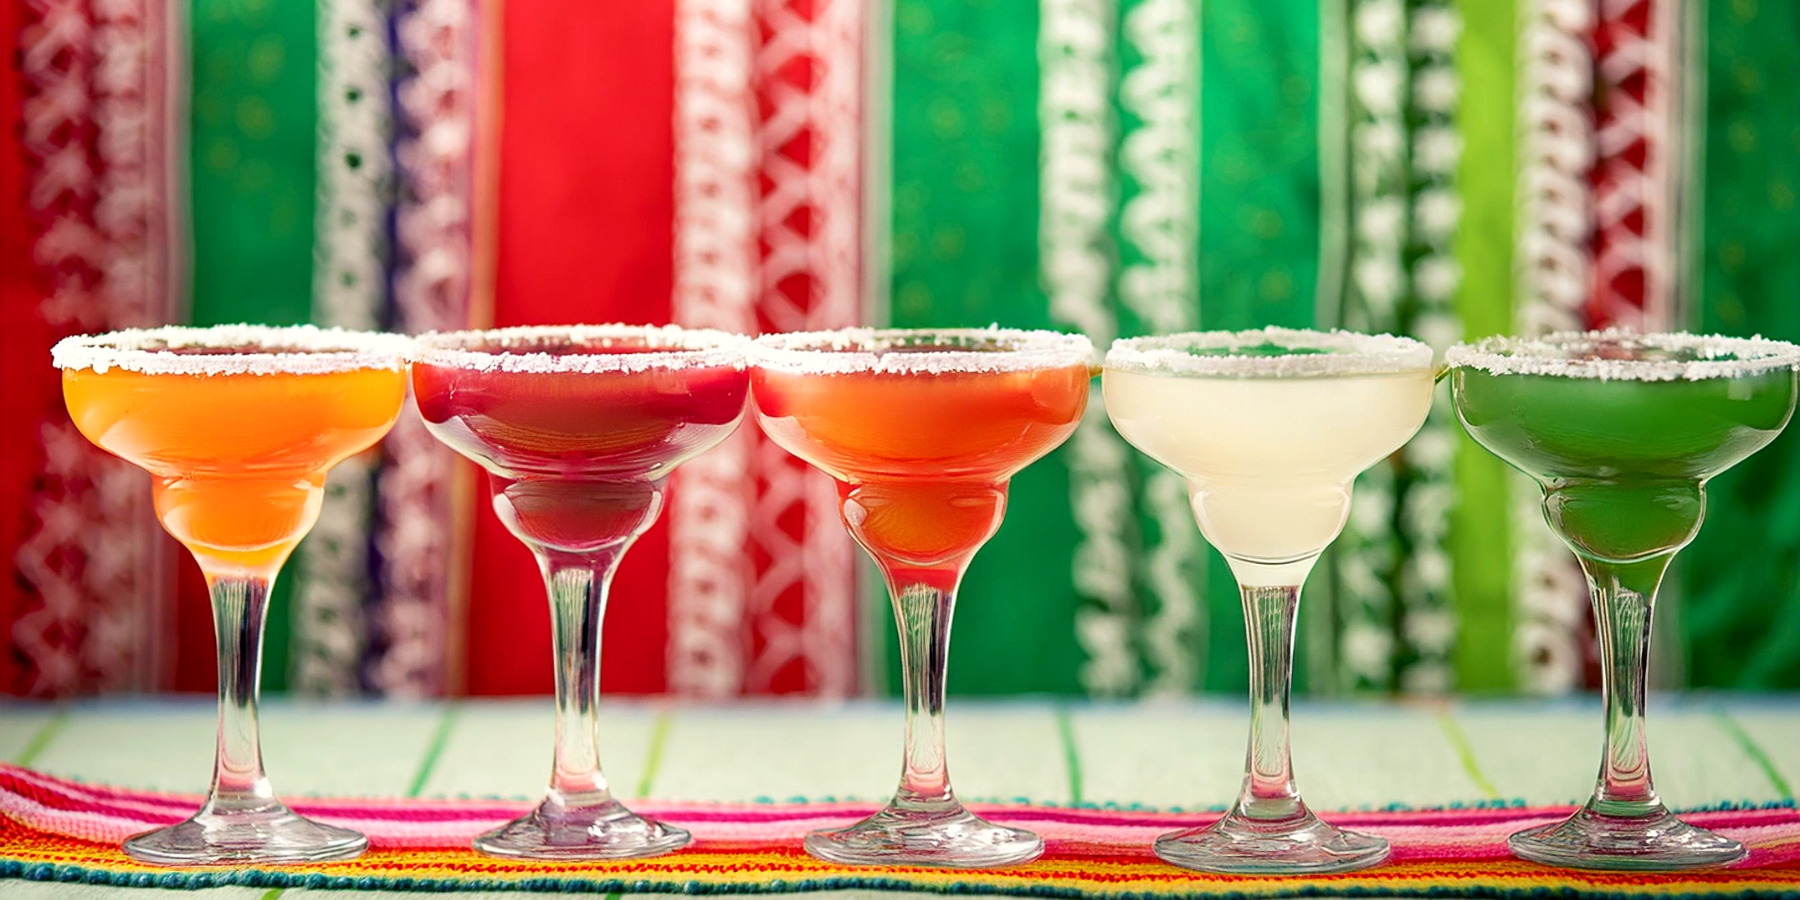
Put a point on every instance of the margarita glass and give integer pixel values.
(579, 428)
(922, 431)
(1270, 428)
(1621, 432)
(237, 426)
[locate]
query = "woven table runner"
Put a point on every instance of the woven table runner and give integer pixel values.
(52, 829)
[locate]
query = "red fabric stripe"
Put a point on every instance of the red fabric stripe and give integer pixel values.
(24, 342)
(585, 227)
(30, 389)
(1623, 102)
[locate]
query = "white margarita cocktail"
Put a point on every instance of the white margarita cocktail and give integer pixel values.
(1269, 461)
(1270, 428)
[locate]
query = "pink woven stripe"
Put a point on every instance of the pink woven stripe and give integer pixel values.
(108, 815)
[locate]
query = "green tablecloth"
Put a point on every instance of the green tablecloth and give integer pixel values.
(1707, 750)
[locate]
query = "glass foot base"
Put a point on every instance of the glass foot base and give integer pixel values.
(269, 835)
(1653, 843)
(1295, 845)
(605, 830)
(951, 837)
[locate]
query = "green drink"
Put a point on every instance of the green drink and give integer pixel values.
(1622, 432)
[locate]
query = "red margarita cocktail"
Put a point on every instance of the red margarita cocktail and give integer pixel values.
(922, 430)
(579, 428)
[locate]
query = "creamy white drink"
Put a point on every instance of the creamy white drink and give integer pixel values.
(1269, 459)
(1269, 428)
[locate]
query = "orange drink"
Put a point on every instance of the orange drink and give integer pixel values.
(239, 458)
(922, 431)
(238, 426)
(922, 464)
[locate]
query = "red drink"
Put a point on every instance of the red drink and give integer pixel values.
(578, 444)
(579, 428)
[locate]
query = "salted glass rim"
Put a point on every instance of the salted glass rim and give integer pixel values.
(1720, 356)
(851, 350)
(510, 349)
(287, 349)
(1345, 353)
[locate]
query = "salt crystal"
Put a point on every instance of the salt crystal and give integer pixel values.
(1571, 354)
(1344, 353)
(250, 350)
(521, 349)
(900, 351)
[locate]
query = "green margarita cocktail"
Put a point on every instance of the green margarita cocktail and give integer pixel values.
(1622, 431)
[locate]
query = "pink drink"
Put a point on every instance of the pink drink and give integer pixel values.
(577, 459)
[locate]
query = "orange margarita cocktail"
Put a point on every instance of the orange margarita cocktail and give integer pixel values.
(238, 425)
(922, 463)
(240, 457)
(922, 431)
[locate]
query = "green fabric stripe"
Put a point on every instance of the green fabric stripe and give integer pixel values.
(965, 212)
(1465, 753)
(965, 190)
(1259, 225)
(1740, 579)
(1479, 543)
(433, 750)
(659, 738)
(1065, 729)
(253, 116)
(1753, 750)
(41, 739)
(1259, 164)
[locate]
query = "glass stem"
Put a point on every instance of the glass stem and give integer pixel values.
(1269, 791)
(924, 600)
(578, 587)
(240, 605)
(1623, 596)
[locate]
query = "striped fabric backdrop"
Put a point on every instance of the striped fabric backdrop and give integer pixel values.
(1117, 167)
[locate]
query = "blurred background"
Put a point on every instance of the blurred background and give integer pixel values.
(1117, 167)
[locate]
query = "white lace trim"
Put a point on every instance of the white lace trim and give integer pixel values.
(411, 621)
(808, 279)
(350, 240)
(1349, 353)
(299, 350)
(884, 351)
(1715, 356)
(710, 574)
(434, 112)
(1161, 220)
(1556, 150)
(518, 349)
(1553, 266)
(1076, 194)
